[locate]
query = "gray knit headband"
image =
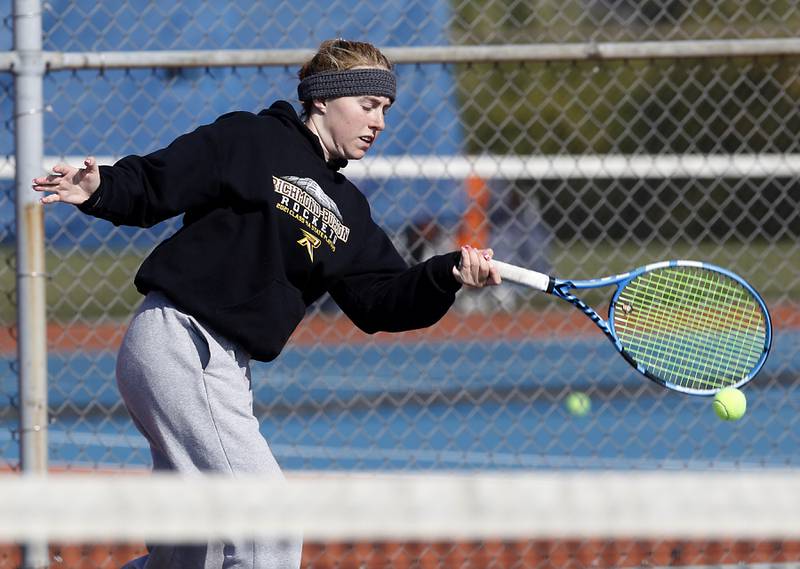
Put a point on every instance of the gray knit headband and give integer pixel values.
(348, 83)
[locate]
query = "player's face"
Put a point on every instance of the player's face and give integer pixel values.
(349, 126)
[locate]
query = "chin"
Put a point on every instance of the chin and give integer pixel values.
(357, 155)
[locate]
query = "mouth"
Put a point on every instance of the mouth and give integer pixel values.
(368, 140)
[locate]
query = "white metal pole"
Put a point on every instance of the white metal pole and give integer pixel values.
(31, 317)
(583, 51)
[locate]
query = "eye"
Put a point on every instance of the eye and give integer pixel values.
(369, 105)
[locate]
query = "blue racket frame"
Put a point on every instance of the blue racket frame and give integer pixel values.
(561, 287)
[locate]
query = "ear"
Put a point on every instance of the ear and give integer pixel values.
(320, 105)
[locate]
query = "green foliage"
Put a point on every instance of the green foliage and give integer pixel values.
(689, 106)
(553, 21)
(695, 106)
(83, 285)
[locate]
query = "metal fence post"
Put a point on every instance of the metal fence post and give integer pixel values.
(31, 317)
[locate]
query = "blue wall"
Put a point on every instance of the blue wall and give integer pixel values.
(120, 112)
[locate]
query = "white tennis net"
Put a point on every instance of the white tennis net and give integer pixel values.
(598, 519)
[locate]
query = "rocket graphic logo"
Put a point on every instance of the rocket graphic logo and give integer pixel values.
(310, 242)
(303, 200)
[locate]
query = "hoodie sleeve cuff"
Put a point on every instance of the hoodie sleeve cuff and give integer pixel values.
(440, 268)
(90, 205)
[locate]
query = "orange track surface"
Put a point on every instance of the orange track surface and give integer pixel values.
(517, 554)
(333, 329)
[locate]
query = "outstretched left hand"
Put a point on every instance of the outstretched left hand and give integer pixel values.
(475, 268)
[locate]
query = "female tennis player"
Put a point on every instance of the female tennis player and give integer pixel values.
(270, 224)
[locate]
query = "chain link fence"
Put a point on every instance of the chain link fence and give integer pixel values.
(578, 165)
(518, 21)
(8, 368)
(589, 167)
(571, 222)
(199, 24)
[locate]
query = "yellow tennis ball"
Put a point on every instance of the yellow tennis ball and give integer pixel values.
(578, 403)
(730, 404)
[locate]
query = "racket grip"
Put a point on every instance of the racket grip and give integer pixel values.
(513, 273)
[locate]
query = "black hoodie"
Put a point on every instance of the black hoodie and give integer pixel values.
(269, 226)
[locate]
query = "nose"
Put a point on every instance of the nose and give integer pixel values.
(378, 121)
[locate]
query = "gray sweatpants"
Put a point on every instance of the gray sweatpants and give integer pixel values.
(188, 392)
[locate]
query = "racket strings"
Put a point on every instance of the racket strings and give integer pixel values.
(690, 326)
(711, 319)
(696, 339)
(701, 351)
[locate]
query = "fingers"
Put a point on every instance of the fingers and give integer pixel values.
(50, 180)
(475, 263)
(476, 269)
(91, 164)
(67, 183)
(61, 171)
(494, 276)
(50, 198)
(51, 183)
(494, 273)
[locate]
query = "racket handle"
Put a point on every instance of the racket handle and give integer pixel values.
(513, 273)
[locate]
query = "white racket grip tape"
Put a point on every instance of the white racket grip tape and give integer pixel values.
(526, 277)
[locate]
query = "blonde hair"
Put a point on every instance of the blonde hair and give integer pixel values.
(341, 55)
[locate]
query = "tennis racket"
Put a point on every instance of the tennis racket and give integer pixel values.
(689, 326)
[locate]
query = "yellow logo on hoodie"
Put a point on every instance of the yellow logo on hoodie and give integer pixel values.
(310, 242)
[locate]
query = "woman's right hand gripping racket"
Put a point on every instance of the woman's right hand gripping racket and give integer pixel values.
(689, 326)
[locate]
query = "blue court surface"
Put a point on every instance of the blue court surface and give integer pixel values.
(453, 405)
